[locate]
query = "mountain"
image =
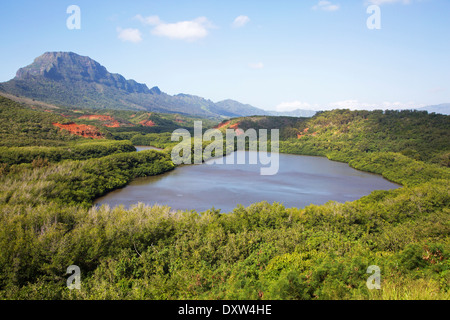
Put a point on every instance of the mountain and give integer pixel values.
(236, 109)
(70, 67)
(68, 79)
(443, 108)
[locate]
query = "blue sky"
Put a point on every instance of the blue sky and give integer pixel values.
(281, 55)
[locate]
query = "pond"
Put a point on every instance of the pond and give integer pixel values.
(142, 148)
(300, 181)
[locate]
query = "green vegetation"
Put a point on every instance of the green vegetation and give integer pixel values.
(80, 151)
(342, 135)
(21, 126)
(159, 134)
(79, 182)
(264, 251)
(161, 140)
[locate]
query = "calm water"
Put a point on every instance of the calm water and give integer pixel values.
(142, 148)
(300, 181)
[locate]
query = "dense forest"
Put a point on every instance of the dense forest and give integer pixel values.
(264, 251)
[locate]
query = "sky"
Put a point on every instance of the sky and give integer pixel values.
(275, 55)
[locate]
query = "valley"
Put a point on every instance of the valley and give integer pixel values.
(355, 188)
(51, 179)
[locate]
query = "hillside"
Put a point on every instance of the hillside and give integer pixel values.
(342, 134)
(33, 123)
(22, 126)
(237, 109)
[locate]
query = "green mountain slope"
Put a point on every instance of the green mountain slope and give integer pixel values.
(342, 134)
(32, 123)
(21, 126)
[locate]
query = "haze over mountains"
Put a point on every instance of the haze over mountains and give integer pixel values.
(68, 79)
(443, 108)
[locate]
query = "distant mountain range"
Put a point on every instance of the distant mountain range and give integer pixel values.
(68, 79)
(440, 108)
(236, 107)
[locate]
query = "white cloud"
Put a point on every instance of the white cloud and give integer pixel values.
(129, 35)
(151, 20)
(183, 30)
(240, 21)
(258, 65)
(326, 6)
(294, 105)
(380, 2)
(351, 104)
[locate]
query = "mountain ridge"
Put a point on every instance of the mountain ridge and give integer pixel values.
(54, 66)
(71, 80)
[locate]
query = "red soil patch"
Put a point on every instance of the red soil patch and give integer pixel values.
(300, 135)
(235, 126)
(147, 123)
(222, 125)
(179, 120)
(97, 117)
(111, 122)
(80, 130)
